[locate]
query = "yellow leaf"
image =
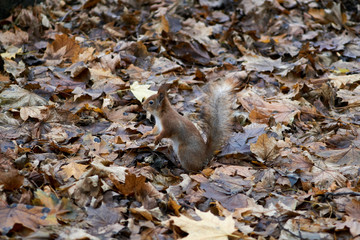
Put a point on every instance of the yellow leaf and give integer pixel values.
(341, 71)
(73, 169)
(11, 52)
(210, 227)
(141, 91)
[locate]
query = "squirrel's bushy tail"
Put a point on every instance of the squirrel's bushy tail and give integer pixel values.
(217, 115)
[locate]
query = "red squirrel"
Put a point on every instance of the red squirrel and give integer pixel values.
(193, 152)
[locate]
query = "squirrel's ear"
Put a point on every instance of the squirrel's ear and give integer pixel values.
(164, 87)
(161, 96)
(162, 91)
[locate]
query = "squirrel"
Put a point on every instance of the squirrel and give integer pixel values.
(193, 152)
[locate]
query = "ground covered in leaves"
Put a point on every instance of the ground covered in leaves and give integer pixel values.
(74, 165)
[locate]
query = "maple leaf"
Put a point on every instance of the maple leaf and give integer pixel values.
(63, 208)
(27, 215)
(62, 47)
(141, 92)
(346, 156)
(17, 38)
(227, 190)
(240, 142)
(102, 216)
(16, 96)
(11, 52)
(209, 227)
(73, 169)
(352, 224)
(164, 65)
(262, 64)
(352, 97)
(324, 178)
(353, 209)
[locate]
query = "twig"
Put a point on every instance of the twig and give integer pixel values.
(287, 230)
(328, 194)
(335, 119)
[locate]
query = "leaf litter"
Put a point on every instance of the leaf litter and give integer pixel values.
(74, 164)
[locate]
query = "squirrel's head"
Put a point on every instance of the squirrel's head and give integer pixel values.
(154, 103)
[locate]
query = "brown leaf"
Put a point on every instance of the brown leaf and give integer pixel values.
(73, 169)
(353, 209)
(347, 156)
(265, 148)
(63, 208)
(61, 48)
(240, 142)
(29, 216)
(11, 179)
(14, 68)
(227, 190)
(352, 224)
(102, 216)
(18, 38)
(283, 111)
(104, 80)
(15, 97)
(39, 112)
(143, 191)
(324, 178)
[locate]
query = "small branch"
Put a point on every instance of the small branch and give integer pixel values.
(287, 230)
(328, 194)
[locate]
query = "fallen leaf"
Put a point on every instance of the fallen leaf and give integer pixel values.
(11, 179)
(38, 112)
(73, 169)
(341, 157)
(353, 209)
(29, 216)
(209, 227)
(15, 96)
(141, 92)
(102, 216)
(14, 68)
(265, 148)
(61, 48)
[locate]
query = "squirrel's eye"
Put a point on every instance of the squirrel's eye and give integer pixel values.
(151, 102)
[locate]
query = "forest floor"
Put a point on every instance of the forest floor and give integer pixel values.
(74, 164)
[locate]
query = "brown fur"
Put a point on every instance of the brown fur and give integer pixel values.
(189, 146)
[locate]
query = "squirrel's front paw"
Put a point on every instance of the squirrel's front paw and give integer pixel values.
(146, 134)
(157, 140)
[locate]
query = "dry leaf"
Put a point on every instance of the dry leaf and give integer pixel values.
(265, 148)
(141, 92)
(73, 169)
(209, 227)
